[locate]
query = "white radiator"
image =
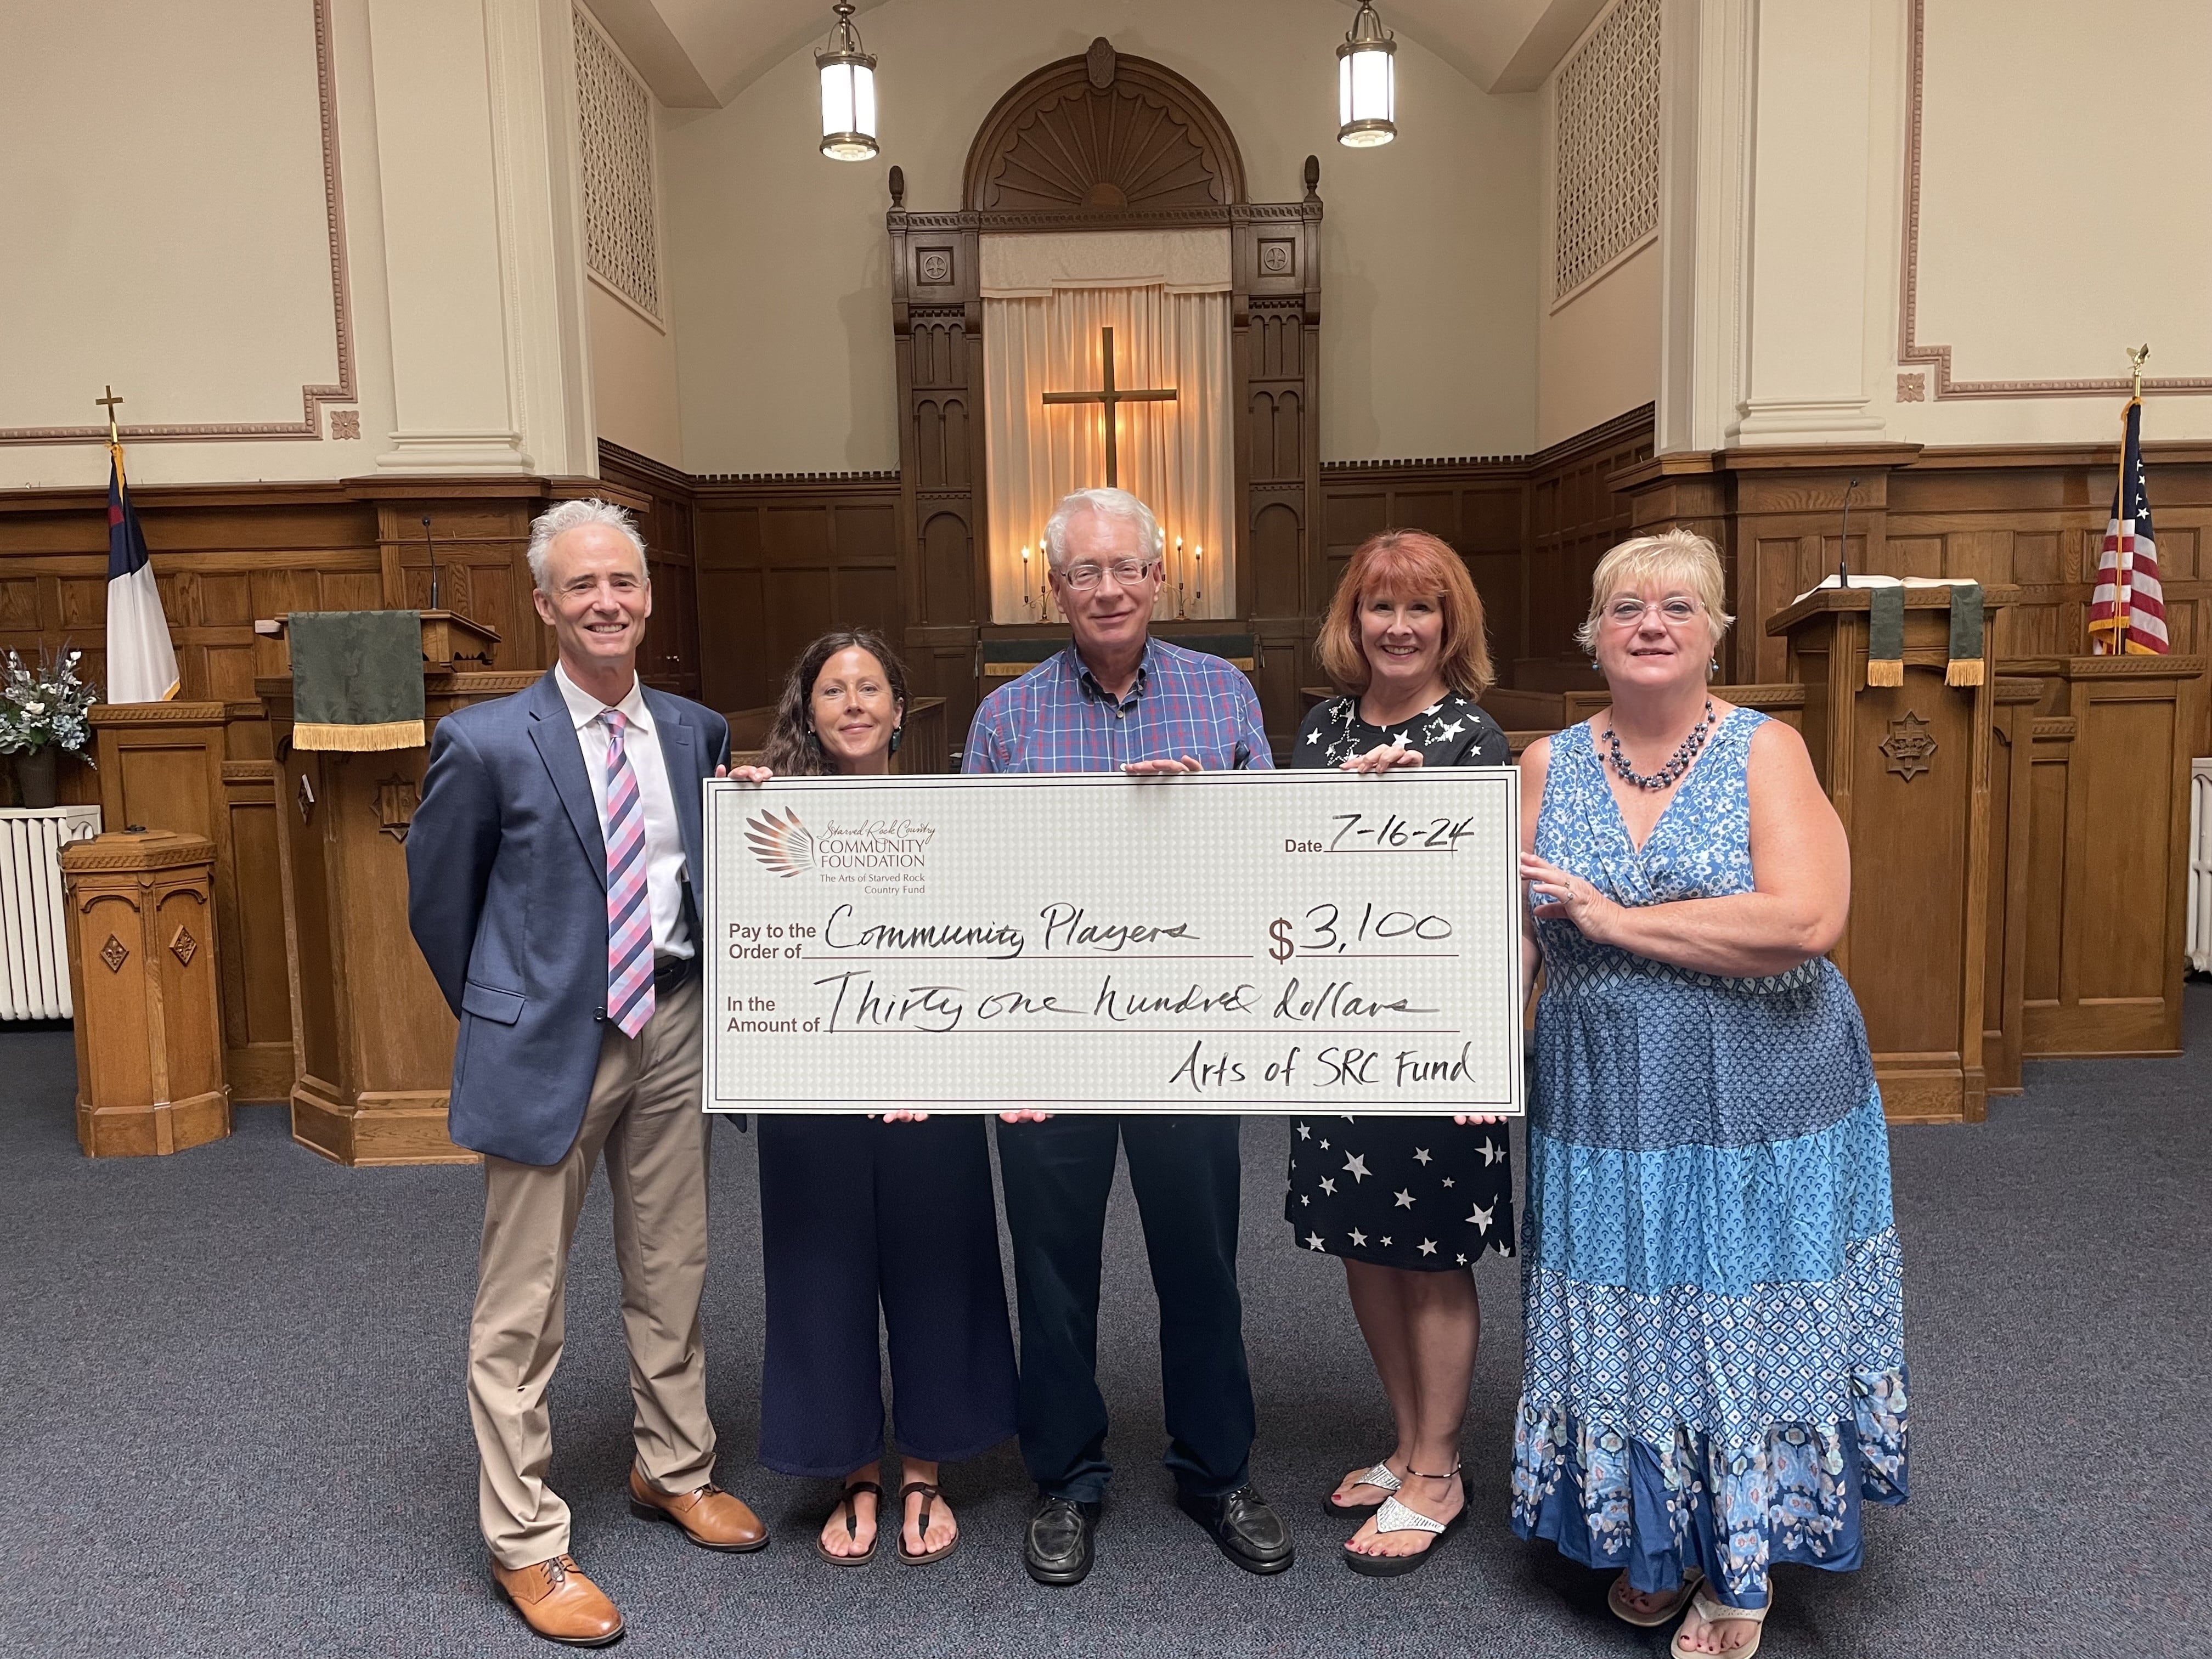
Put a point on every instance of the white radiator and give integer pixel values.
(34, 928)
(2200, 866)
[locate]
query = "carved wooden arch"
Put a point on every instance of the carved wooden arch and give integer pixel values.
(1102, 133)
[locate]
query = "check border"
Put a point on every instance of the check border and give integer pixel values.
(892, 785)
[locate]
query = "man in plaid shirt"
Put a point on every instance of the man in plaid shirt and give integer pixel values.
(1117, 698)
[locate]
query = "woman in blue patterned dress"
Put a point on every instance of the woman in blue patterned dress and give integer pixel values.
(1714, 1374)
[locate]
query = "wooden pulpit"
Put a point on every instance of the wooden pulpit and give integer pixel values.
(1908, 769)
(372, 1038)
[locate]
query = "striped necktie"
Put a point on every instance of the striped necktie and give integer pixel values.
(629, 918)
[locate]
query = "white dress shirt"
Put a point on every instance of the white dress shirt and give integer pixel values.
(664, 837)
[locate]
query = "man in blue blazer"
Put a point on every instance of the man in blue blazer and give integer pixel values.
(551, 870)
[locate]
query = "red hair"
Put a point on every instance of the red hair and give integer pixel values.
(1408, 564)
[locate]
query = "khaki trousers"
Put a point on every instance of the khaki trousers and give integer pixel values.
(645, 1115)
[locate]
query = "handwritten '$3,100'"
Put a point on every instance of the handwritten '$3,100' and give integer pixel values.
(1230, 942)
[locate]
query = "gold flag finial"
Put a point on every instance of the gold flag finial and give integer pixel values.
(2137, 355)
(114, 438)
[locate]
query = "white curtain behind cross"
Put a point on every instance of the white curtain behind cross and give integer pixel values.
(1165, 295)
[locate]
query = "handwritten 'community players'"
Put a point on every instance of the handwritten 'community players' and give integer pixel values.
(1118, 698)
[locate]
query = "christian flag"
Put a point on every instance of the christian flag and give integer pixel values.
(2127, 615)
(141, 664)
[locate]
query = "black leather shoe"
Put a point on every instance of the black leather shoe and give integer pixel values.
(1058, 1550)
(1249, 1532)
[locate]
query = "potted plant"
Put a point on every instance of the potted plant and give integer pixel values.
(42, 714)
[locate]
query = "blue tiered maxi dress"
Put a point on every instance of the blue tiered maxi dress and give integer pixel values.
(1715, 1347)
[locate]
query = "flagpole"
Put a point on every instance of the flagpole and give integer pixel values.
(2123, 588)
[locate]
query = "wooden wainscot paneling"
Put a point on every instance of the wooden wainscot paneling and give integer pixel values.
(142, 978)
(2107, 852)
(1907, 767)
(1531, 529)
(662, 498)
(226, 558)
(784, 560)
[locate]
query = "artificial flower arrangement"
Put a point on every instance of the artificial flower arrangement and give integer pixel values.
(47, 708)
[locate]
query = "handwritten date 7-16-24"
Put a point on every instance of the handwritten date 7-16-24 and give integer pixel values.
(1391, 832)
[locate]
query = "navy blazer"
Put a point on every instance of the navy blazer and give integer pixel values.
(506, 895)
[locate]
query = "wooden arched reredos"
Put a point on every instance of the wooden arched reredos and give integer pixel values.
(1105, 142)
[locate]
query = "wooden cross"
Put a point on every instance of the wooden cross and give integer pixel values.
(1111, 398)
(109, 403)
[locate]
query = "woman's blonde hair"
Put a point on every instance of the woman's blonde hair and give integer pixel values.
(1670, 556)
(1408, 564)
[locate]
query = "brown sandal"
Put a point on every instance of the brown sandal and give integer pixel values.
(853, 1526)
(929, 1496)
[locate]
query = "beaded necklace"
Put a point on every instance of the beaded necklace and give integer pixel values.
(1674, 767)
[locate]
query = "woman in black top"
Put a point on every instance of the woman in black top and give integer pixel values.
(1408, 1202)
(859, 1213)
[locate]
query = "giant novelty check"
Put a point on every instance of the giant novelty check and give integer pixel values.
(1221, 942)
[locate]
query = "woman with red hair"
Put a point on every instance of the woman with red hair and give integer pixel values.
(1408, 1202)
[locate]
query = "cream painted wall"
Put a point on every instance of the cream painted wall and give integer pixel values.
(2066, 211)
(164, 187)
(1598, 355)
(169, 234)
(634, 393)
(779, 262)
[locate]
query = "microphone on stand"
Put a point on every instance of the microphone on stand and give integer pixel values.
(1843, 540)
(433, 547)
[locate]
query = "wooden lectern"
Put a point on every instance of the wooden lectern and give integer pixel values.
(372, 1037)
(142, 958)
(1908, 768)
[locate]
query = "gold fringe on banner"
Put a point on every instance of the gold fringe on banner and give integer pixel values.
(1964, 670)
(1885, 671)
(388, 734)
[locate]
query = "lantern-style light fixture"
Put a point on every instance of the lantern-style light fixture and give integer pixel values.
(848, 92)
(1366, 82)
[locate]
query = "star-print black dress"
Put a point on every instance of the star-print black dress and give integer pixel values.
(1401, 1192)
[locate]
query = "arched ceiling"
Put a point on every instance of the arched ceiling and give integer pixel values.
(699, 54)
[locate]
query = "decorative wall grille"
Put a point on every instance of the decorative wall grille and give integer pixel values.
(1606, 182)
(614, 115)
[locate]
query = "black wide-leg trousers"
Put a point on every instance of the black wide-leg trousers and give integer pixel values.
(857, 1212)
(1058, 1175)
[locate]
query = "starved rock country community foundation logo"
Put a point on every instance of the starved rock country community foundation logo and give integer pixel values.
(785, 846)
(886, 848)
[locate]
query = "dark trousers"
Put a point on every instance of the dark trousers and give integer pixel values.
(856, 1213)
(1058, 1175)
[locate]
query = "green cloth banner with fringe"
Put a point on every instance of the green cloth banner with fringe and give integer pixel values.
(356, 679)
(1886, 634)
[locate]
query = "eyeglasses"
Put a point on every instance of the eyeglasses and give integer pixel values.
(1673, 611)
(1126, 572)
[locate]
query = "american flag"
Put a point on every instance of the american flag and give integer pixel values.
(2127, 615)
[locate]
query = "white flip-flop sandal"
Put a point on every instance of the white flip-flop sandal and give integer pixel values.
(1713, 1613)
(1616, 1599)
(1380, 1477)
(1394, 1516)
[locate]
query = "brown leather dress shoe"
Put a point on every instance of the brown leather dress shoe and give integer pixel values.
(710, 1517)
(556, 1601)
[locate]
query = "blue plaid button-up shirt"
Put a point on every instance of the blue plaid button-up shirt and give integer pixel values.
(1057, 718)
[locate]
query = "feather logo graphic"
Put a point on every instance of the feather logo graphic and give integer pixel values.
(784, 846)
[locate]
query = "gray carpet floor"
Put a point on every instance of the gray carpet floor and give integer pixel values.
(232, 1421)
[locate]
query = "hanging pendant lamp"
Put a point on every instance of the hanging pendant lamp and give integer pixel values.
(848, 92)
(1366, 82)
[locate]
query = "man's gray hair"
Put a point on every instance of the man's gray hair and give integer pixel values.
(564, 516)
(1110, 503)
